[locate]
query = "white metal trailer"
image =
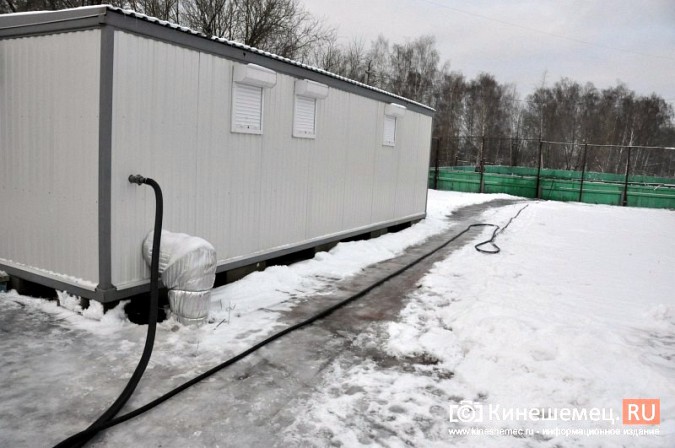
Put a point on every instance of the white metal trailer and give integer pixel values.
(259, 155)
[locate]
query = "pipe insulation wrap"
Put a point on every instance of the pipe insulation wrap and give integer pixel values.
(187, 265)
(186, 262)
(190, 307)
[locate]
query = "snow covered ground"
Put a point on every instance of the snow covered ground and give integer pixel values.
(577, 312)
(277, 283)
(245, 311)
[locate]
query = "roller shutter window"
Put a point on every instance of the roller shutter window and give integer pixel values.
(304, 117)
(389, 134)
(247, 109)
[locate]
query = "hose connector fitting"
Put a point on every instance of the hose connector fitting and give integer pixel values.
(136, 179)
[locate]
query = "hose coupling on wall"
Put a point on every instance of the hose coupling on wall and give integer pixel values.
(137, 179)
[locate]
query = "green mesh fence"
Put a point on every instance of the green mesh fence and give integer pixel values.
(559, 185)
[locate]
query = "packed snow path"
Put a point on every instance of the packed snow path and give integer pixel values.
(72, 390)
(512, 329)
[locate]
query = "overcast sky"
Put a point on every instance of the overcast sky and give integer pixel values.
(601, 41)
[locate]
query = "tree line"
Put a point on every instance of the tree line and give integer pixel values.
(565, 111)
(283, 27)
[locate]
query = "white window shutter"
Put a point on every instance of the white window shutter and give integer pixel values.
(389, 134)
(247, 108)
(304, 117)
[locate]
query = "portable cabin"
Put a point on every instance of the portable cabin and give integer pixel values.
(260, 155)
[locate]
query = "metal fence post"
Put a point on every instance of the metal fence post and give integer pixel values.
(437, 144)
(539, 155)
(482, 165)
(457, 144)
(583, 172)
(511, 161)
(624, 196)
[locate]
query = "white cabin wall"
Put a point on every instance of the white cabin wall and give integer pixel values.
(228, 177)
(247, 194)
(155, 92)
(385, 171)
(49, 106)
(415, 140)
(328, 158)
(362, 141)
(285, 170)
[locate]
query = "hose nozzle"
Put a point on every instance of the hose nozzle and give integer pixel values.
(136, 179)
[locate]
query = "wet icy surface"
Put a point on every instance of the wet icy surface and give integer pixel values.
(532, 326)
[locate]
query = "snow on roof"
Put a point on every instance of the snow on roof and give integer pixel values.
(102, 8)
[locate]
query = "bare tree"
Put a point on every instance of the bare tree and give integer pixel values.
(283, 27)
(7, 6)
(377, 63)
(414, 69)
(162, 9)
(327, 56)
(211, 17)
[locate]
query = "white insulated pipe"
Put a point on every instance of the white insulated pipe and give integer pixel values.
(187, 265)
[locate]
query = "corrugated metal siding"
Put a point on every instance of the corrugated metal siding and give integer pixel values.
(49, 90)
(246, 193)
(285, 171)
(328, 162)
(229, 169)
(155, 92)
(385, 171)
(363, 138)
(414, 140)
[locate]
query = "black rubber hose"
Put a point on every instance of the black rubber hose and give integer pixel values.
(322, 314)
(497, 230)
(81, 438)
